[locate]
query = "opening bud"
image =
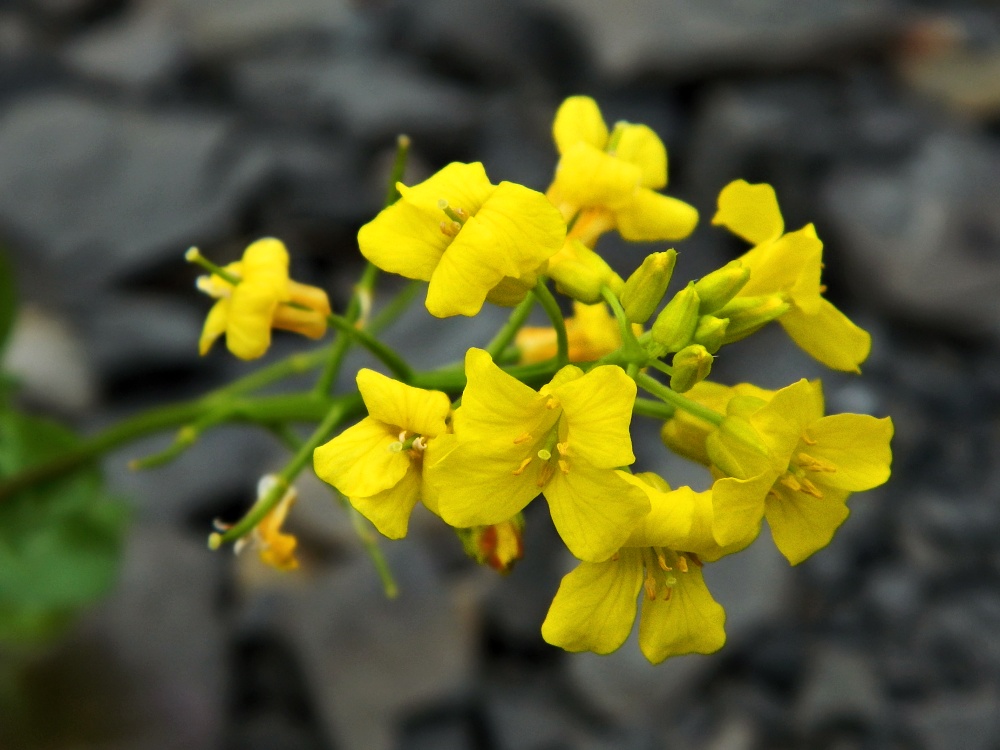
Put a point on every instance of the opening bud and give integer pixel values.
(720, 286)
(646, 286)
(749, 314)
(676, 323)
(711, 332)
(737, 449)
(580, 273)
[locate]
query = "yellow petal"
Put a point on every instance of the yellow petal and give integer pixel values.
(857, 445)
(594, 510)
(403, 406)
(579, 119)
(359, 462)
(265, 262)
(308, 323)
(639, 145)
(215, 325)
(598, 410)
(518, 225)
(594, 608)
(750, 211)
(828, 336)
(473, 485)
(252, 306)
(790, 410)
(791, 264)
(405, 239)
(463, 186)
(497, 405)
(689, 622)
(650, 216)
(587, 176)
(390, 509)
(738, 507)
(802, 524)
(669, 520)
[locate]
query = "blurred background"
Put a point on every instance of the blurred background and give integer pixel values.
(131, 129)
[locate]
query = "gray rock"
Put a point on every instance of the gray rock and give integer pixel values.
(686, 38)
(372, 99)
(968, 721)
(96, 192)
(895, 594)
(922, 238)
(959, 636)
(840, 687)
(370, 661)
(140, 51)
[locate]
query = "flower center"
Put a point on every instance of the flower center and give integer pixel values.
(550, 451)
(409, 441)
(803, 464)
(663, 566)
(456, 218)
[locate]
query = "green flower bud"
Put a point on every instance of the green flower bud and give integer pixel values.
(691, 365)
(580, 273)
(675, 325)
(645, 288)
(711, 332)
(749, 314)
(720, 286)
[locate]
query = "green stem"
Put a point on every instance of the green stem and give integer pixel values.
(363, 529)
(631, 351)
(398, 167)
(551, 307)
(396, 307)
(387, 356)
(505, 335)
(675, 399)
(337, 413)
(657, 409)
(661, 366)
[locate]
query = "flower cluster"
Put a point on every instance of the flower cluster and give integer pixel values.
(547, 411)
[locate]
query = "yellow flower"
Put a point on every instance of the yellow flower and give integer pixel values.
(262, 300)
(609, 180)
(596, 603)
(790, 265)
(566, 441)
(470, 239)
(499, 545)
(275, 547)
(592, 332)
(377, 463)
(777, 457)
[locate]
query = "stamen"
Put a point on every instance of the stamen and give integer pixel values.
(563, 466)
(419, 444)
(811, 489)
(524, 437)
(811, 463)
(695, 559)
(524, 465)
(791, 482)
(806, 439)
(545, 474)
(563, 448)
(667, 594)
(551, 403)
(662, 560)
(457, 215)
(650, 585)
(682, 563)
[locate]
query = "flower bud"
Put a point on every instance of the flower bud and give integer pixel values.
(675, 325)
(736, 449)
(749, 314)
(499, 545)
(711, 332)
(580, 273)
(720, 286)
(691, 365)
(645, 288)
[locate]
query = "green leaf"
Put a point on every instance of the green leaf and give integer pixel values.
(8, 299)
(60, 542)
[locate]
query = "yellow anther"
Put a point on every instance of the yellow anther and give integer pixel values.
(662, 560)
(667, 594)
(650, 585)
(563, 466)
(450, 228)
(524, 437)
(811, 489)
(791, 482)
(563, 449)
(551, 403)
(524, 465)
(682, 563)
(545, 474)
(806, 439)
(810, 463)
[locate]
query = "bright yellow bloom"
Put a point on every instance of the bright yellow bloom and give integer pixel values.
(377, 463)
(275, 547)
(592, 332)
(596, 603)
(470, 239)
(265, 298)
(609, 180)
(777, 457)
(790, 265)
(566, 441)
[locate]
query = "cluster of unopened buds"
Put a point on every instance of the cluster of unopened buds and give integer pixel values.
(548, 411)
